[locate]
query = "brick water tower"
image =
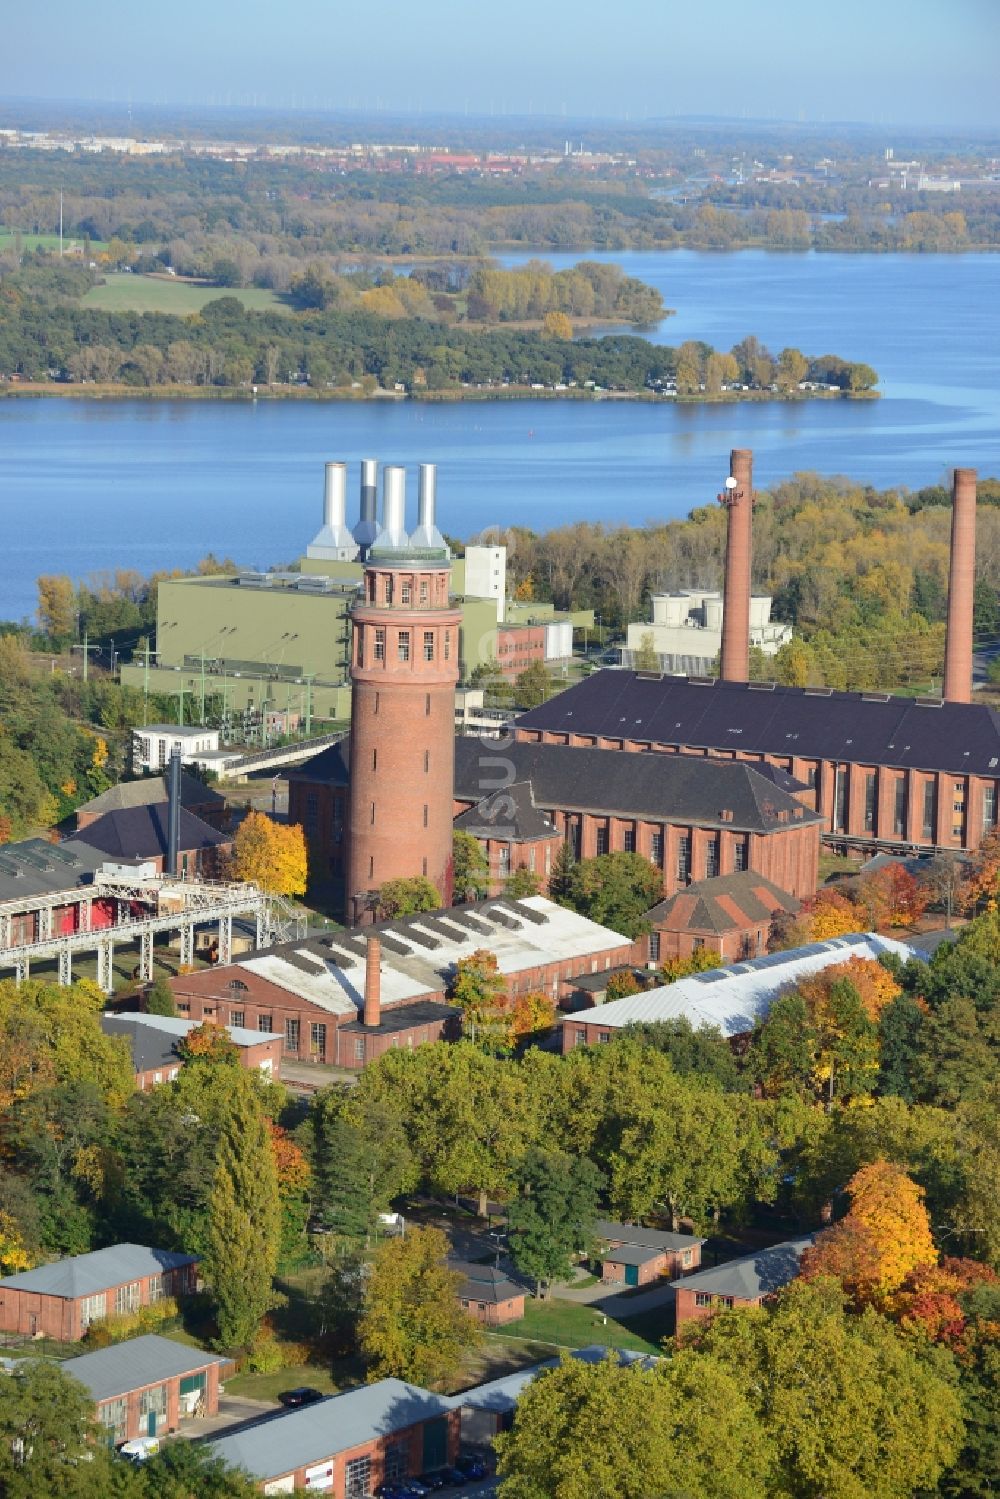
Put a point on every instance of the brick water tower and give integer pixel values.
(404, 667)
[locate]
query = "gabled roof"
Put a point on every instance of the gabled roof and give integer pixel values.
(736, 997)
(753, 1275)
(331, 767)
(510, 815)
(150, 790)
(154, 1038)
(102, 1269)
(650, 1238)
(136, 1363)
(860, 727)
(485, 1283)
(141, 833)
(728, 903)
(666, 788)
(302, 1437)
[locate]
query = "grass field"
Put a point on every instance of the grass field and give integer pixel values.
(122, 292)
(46, 241)
(572, 1324)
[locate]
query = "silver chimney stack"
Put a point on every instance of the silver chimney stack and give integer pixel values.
(392, 537)
(427, 536)
(366, 529)
(334, 542)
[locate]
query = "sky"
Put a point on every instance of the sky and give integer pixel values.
(912, 62)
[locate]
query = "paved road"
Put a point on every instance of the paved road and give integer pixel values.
(617, 1303)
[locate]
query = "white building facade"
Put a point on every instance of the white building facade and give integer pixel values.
(686, 630)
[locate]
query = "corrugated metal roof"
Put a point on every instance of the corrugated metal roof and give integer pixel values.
(154, 1038)
(86, 1274)
(298, 1438)
(135, 1364)
(634, 1233)
(735, 998)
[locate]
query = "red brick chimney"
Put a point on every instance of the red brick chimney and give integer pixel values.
(738, 500)
(961, 587)
(373, 981)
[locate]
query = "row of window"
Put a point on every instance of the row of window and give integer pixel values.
(404, 644)
(127, 1299)
(383, 588)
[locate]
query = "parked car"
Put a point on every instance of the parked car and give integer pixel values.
(435, 1481)
(302, 1395)
(453, 1478)
(472, 1467)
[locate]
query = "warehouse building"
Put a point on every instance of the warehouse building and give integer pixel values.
(743, 1282)
(61, 1300)
(146, 1387)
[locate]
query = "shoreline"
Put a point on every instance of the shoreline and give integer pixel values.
(39, 391)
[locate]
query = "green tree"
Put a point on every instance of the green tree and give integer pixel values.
(646, 657)
(608, 1431)
(159, 998)
(561, 877)
(184, 1470)
(553, 1216)
(49, 1440)
(471, 867)
(412, 1326)
(244, 1220)
(408, 897)
(533, 686)
(851, 1407)
(615, 890)
(523, 881)
(358, 1167)
(704, 1052)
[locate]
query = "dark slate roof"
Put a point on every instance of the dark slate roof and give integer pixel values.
(135, 1364)
(752, 1276)
(331, 767)
(636, 1235)
(724, 904)
(154, 1039)
(405, 1017)
(150, 790)
(510, 814)
(485, 1283)
(868, 728)
(87, 1274)
(141, 833)
(36, 867)
(668, 788)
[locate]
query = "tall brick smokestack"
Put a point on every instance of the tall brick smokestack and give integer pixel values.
(373, 981)
(961, 588)
(738, 500)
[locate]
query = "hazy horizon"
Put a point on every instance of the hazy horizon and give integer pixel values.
(894, 65)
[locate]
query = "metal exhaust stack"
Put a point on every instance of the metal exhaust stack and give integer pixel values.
(367, 527)
(334, 542)
(738, 500)
(427, 536)
(957, 686)
(173, 811)
(392, 537)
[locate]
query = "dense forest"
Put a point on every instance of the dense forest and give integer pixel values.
(860, 573)
(47, 334)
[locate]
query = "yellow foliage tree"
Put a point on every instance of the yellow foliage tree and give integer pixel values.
(890, 1206)
(57, 605)
(270, 854)
(833, 915)
(557, 325)
(13, 1255)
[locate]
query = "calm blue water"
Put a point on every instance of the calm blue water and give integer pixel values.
(86, 486)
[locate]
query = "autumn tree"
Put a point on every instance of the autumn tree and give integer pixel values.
(530, 1014)
(270, 854)
(832, 914)
(884, 1237)
(412, 1326)
(471, 867)
(57, 606)
(646, 658)
(210, 1042)
(983, 882)
(480, 991)
(244, 1219)
(408, 897)
(557, 325)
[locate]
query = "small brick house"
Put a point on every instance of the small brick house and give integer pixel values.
(349, 1444)
(488, 1295)
(145, 1387)
(155, 1039)
(730, 915)
(62, 1299)
(636, 1256)
(743, 1282)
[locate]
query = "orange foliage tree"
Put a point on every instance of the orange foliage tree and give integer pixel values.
(928, 1300)
(832, 915)
(293, 1169)
(983, 883)
(875, 986)
(530, 1013)
(885, 1237)
(891, 896)
(209, 1041)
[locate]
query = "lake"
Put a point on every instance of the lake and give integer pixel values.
(86, 486)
